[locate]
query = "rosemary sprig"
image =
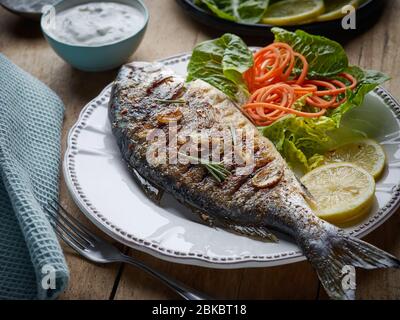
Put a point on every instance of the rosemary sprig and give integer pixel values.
(216, 169)
(180, 101)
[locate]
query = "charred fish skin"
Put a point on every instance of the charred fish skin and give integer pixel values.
(277, 201)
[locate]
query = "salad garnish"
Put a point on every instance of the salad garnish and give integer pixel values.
(221, 63)
(295, 90)
(275, 87)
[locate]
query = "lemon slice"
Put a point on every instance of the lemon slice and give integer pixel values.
(343, 192)
(333, 9)
(366, 154)
(289, 12)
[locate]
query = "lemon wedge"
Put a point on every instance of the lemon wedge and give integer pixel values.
(290, 12)
(333, 9)
(343, 192)
(367, 154)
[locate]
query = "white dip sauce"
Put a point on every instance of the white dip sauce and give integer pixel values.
(97, 23)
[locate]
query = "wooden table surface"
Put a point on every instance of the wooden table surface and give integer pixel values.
(171, 32)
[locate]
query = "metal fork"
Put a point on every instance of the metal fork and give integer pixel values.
(97, 250)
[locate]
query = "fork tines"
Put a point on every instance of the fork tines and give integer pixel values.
(68, 228)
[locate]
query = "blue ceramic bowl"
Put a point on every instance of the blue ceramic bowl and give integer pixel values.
(96, 58)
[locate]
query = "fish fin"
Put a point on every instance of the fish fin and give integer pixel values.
(256, 233)
(153, 192)
(334, 256)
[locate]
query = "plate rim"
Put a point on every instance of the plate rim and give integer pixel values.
(199, 259)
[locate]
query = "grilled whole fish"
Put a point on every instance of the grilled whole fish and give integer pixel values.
(146, 96)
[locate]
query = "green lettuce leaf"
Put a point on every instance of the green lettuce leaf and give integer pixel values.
(367, 80)
(245, 11)
(326, 58)
(301, 139)
(221, 63)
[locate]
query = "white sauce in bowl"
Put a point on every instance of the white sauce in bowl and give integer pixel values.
(97, 23)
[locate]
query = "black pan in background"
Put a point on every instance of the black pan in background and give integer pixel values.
(367, 14)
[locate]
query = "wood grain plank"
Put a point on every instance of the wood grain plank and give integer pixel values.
(378, 48)
(169, 32)
(295, 281)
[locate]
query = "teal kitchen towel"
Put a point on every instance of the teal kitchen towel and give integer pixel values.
(32, 265)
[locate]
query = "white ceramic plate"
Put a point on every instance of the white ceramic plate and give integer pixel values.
(103, 188)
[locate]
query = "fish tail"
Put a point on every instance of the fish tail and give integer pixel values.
(334, 256)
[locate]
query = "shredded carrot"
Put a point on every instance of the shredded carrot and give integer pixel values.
(274, 88)
(274, 64)
(271, 103)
